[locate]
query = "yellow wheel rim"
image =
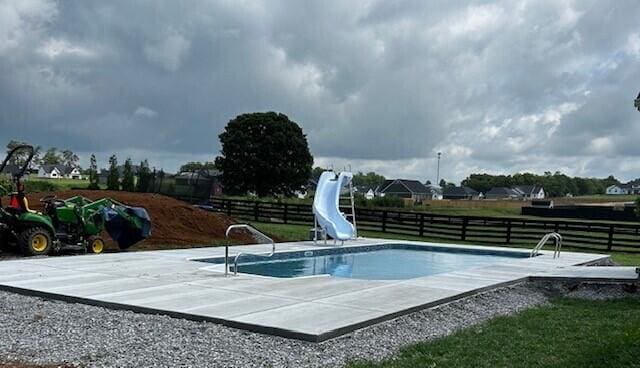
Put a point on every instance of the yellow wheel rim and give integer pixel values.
(39, 243)
(97, 246)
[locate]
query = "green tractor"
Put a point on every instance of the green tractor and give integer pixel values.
(71, 224)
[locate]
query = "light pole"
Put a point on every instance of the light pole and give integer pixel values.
(438, 174)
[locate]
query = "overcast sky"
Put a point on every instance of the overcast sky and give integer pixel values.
(499, 87)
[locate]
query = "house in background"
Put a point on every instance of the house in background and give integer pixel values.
(404, 188)
(632, 187)
(367, 192)
(10, 170)
(529, 192)
(435, 191)
(59, 172)
(503, 193)
(205, 180)
(461, 192)
(616, 189)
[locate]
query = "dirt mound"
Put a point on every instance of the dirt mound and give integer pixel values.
(173, 223)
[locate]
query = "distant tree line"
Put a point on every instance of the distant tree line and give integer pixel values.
(195, 166)
(369, 179)
(128, 180)
(51, 156)
(555, 185)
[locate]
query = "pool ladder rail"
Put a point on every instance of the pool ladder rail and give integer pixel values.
(557, 238)
(235, 260)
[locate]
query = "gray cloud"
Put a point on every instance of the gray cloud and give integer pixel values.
(498, 86)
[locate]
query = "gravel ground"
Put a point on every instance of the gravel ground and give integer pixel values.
(42, 331)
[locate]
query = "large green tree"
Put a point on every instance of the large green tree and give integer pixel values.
(21, 156)
(264, 153)
(69, 158)
(52, 157)
(370, 179)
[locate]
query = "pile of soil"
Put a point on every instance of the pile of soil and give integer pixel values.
(174, 223)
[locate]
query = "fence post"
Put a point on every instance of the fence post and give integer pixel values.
(508, 231)
(465, 221)
(228, 207)
(384, 221)
(610, 242)
(286, 210)
(256, 211)
(422, 224)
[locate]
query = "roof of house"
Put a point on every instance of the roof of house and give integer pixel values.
(528, 189)
(629, 185)
(200, 173)
(403, 186)
(362, 188)
(503, 191)
(11, 169)
(61, 168)
(434, 189)
(462, 191)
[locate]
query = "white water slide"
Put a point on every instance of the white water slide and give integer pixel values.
(326, 205)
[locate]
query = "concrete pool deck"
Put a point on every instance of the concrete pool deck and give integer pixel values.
(309, 308)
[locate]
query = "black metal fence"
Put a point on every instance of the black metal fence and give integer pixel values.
(586, 235)
(609, 213)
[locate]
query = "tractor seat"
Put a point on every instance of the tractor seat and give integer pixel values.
(17, 206)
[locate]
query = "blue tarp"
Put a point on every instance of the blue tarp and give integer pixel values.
(124, 232)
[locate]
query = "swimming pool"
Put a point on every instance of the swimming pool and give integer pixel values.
(382, 262)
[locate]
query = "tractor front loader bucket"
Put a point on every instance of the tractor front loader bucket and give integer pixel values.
(127, 225)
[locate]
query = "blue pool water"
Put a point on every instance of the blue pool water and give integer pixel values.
(391, 262)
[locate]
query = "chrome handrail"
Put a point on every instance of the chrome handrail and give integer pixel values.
(235, 261)
(558, 245)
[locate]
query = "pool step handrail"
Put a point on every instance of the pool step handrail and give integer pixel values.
(558, 244)
(235, 260)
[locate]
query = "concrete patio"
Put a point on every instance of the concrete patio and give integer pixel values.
(309, 308)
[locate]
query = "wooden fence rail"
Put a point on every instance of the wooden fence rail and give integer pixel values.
(587, 235)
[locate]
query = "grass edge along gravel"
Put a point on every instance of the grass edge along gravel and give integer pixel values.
(565, 333)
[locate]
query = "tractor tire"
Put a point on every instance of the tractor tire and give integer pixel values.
(4, 243)
(95, 244)
(35, 241)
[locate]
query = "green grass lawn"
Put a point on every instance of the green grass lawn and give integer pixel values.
(55, 184)
(567, 333)
(301, 232)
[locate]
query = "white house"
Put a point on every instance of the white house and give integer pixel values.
(59, 172)
(617, 189)
(435, 191)
(369, 194)
(530, 191)
(632, 187)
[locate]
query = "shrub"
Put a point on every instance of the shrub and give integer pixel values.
(41, 186)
